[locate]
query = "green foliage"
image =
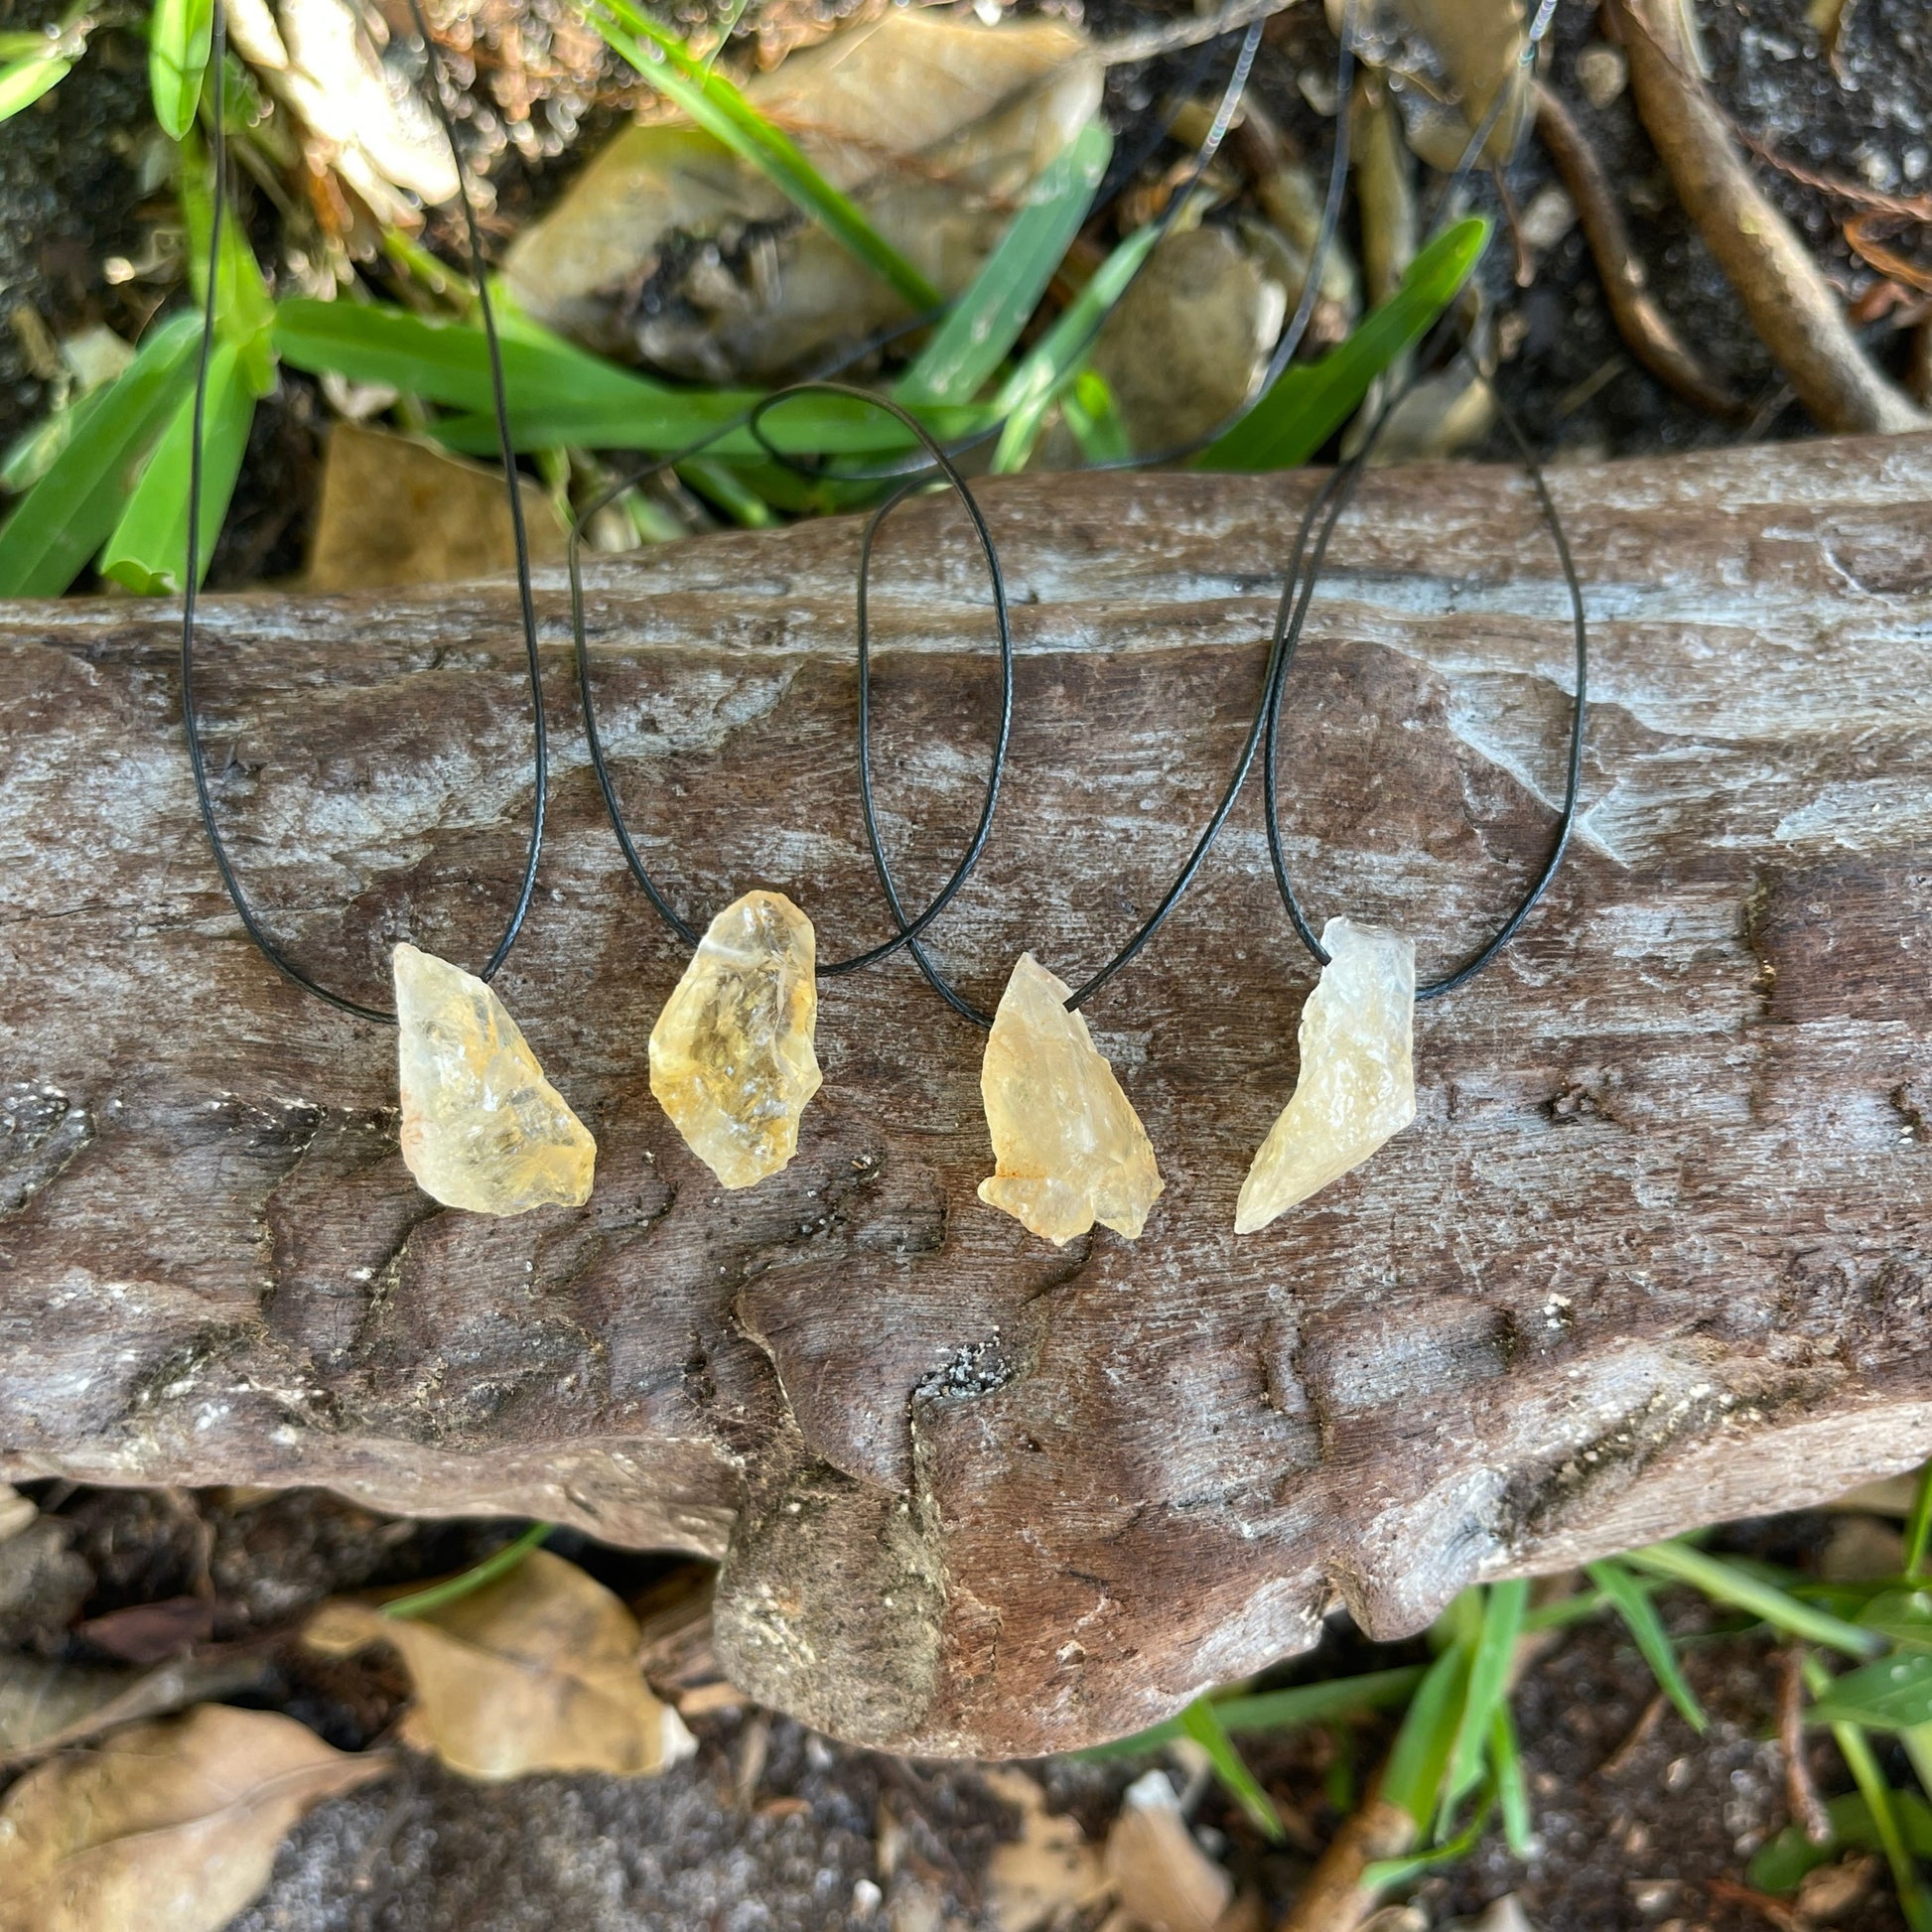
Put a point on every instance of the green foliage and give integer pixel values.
(1490, 1656)
(714, 105)
(1202, 1722)
(1918, 1527)
(178, 52)
(24, 81)
(148, 548)
(1633, 1606)
(78, 498)
(1890, 1694)
(1780, 1865)
(500, 1563)
(1299, 1704)
(1427, 1740)
(1730, 1582)
(985, 323)
(1310, 401)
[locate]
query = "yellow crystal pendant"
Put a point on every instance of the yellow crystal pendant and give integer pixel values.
(1068, 1147)
(732, 1060)
(482, 1128)
(1357, 1085)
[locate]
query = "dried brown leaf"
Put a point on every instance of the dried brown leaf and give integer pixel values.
(1048, 1870)
(170, 1827)
(16, 1511)
(535, 1672)
(1164, 1881)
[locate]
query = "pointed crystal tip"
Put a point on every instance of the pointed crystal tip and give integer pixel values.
(732, 1057)
(1358, 1084)
(1068, 1147)
(482, 1128)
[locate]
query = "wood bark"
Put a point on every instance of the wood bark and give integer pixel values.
(1655, 1252)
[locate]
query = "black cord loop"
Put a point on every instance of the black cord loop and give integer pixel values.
(1290, 622)
(909, 928)
(190, 579)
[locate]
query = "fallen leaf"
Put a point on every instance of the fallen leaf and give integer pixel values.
(16, 1511)
(39, 1699)
(535, 1672)
(395, 510)
(44, 1708)
(1048, 1870)
(149, 1633)
(168, 1827)
(669, 249)
(1162, 1880)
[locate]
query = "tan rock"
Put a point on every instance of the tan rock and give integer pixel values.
(1068, 1147)
(1357, 1085)
(482, 1128)
(732, 1060)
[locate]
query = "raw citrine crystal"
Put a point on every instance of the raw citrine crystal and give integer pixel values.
(482, 1128)
(731, 1056)
(1357, 1085)
(1068, 1147)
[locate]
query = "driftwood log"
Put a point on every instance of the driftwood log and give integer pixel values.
(1657, 1249)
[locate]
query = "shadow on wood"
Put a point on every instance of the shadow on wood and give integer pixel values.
(1655, 1251)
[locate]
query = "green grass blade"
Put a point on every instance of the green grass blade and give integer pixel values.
(1882, 1802)
(986, 321)
(1495, 1647)
(713, 103)
(723, 486)
(1630, 1601)
(1728, 1583)
(64, 519)
(1203, 1726)
(1310, 401)
(1299, 1704)
(500, 1563)
(1780, 1867)
(1056, 360)
(1387, 1874)
(1506, 1762)
(1427, 1736)
(245, 311)
(148, 548)
(177, 48)
(1890, 1693)
(1917, 1742)
(1918, 1526)
(22, 82)
(1088, 406)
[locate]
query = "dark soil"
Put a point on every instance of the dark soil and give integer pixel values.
(1638, 1822)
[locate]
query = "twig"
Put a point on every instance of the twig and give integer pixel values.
(1335, 1899)
(1887, 261)
(1916, 208)
(1619, 1759)
(1186, 33)
(1790, 304)
(1640, 321)
(1728, 1891)
(1807, 1808)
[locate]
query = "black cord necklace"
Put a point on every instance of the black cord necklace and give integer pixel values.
(482, 1128)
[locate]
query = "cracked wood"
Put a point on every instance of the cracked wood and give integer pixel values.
(1655, 1250)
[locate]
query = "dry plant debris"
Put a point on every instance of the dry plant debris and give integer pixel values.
(171, 1827)
(1162, 1879)
(535, 1672)
(1049, 1870)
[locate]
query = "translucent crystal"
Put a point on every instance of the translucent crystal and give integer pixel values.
(1359, 1074)
(1068, 1147)
(482, 1128)
(731, 1056)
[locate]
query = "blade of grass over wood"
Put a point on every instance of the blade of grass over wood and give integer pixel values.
(1310, 401)
(1495, 1647)
(1859, 1759)
(713, 103)
(1427, 1736)
(178, 47)
(1730, 1584)
(1299, 1704)
(1201, 1721)
(148, 548)
(67, 514)
(24, 82)
(985, 323)
(1918, 1527)
(1057, 359)
(1646, 1627)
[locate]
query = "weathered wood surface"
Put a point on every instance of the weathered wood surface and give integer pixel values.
(1657, 1249)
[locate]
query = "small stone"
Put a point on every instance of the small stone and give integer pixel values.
(482, 1128)
(732, 1060)
(1068, 1147)
(1357, 1085)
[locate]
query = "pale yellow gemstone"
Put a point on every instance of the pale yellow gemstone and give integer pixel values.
(482, 1128)
(732, 1060)
(1068, 1147)
(1357, 1085)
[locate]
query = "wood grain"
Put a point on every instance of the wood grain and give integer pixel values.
(1655, 1251)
